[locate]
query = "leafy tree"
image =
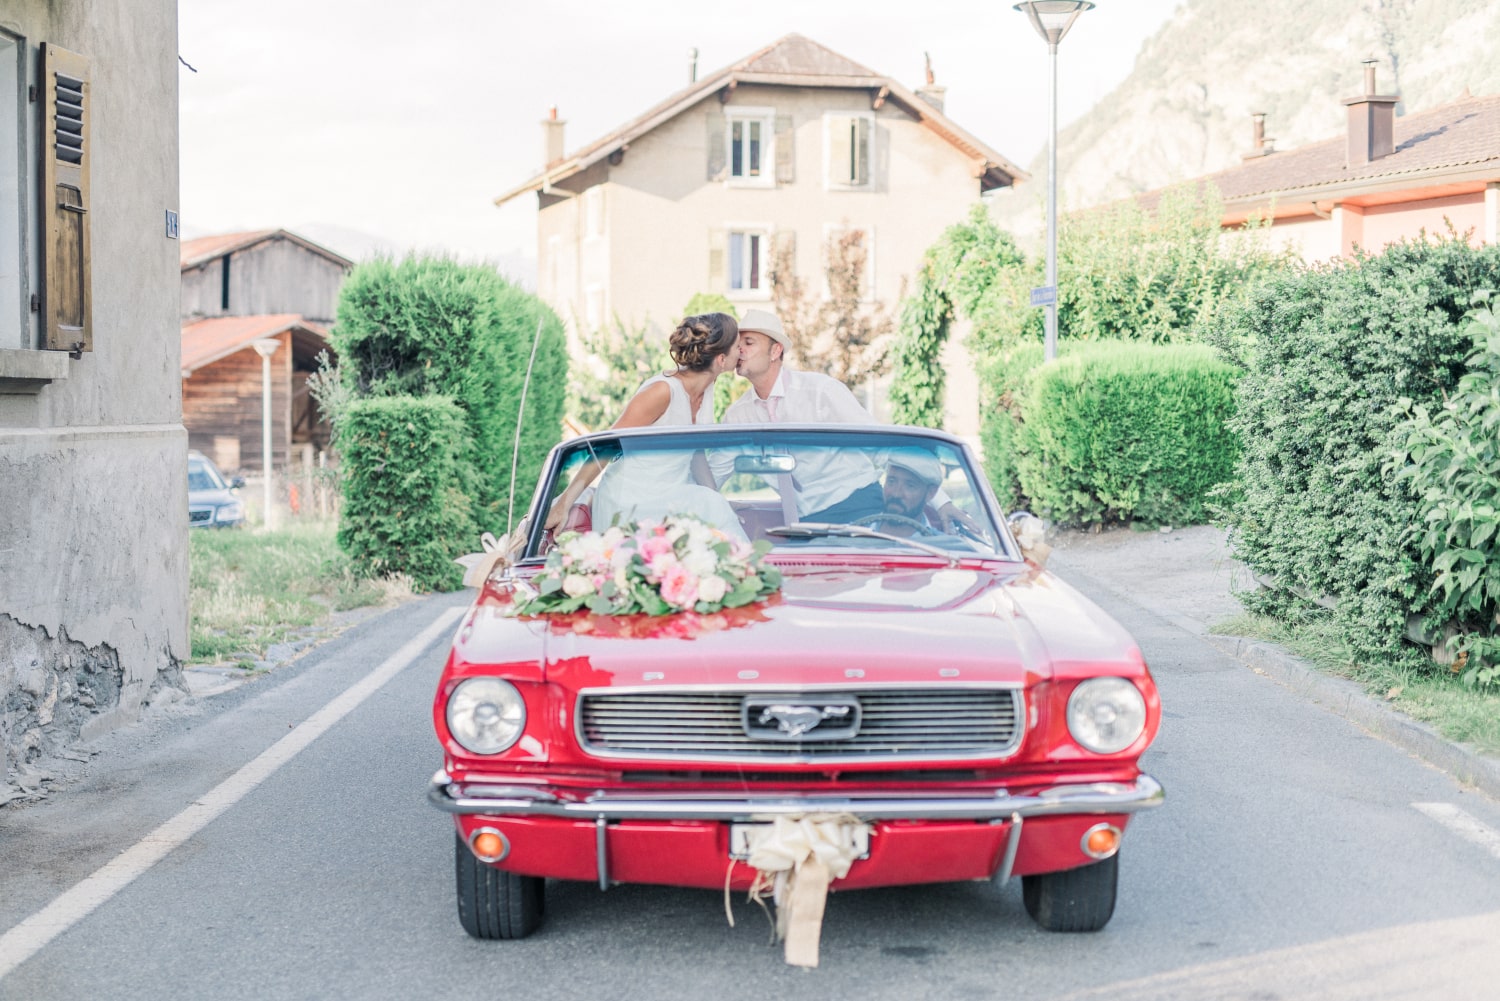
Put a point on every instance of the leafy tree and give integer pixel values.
(616, 360)
(841, 334)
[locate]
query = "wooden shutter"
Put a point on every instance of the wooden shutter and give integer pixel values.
(66, 152)
(860, 174)
(715, 139)
(786, 162)
(717, 242)
(838, 151)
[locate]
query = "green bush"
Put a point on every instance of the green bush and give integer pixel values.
(1126, 432)
(404, 510)
(1451, 455)
(432, 326)
(1329, 352)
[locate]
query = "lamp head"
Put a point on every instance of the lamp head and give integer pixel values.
(1053, 18)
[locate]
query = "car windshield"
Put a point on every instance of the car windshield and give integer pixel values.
(202, 476)
(803, 489)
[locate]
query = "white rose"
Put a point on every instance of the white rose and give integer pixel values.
(701, 562)
(577, 585)
(712, 589)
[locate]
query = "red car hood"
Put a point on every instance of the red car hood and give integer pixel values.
(980, 623)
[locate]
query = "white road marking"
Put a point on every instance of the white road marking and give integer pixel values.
(1464, 824)
(27, 938)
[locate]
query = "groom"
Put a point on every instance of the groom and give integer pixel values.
(832, 486)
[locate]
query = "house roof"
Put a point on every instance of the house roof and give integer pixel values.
(1451, 143)
(791, 61)
(196, 253)
(207, 341)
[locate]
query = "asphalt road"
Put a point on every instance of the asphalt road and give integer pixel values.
(1289, 862)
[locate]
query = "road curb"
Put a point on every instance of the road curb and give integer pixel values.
(1348, 699)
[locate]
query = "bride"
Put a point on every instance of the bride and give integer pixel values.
(655, 485)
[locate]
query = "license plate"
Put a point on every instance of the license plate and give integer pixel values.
(739, 840)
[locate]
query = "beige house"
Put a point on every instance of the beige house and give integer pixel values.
(783, 149)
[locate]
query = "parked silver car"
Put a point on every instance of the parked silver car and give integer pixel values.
(213, 501)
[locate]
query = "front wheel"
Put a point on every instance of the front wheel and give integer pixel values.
(1074, 900)
(496, 904)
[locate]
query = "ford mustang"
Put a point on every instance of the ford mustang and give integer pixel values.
(967, 715)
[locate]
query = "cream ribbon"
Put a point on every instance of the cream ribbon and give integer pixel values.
(494, 553)
(797, 858)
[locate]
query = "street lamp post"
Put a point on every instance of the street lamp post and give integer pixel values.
(266, 347)
(1052, 19)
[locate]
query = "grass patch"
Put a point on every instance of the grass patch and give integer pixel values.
(1457, 711)
(248, 589)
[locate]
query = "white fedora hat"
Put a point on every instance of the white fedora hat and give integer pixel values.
(763, 321)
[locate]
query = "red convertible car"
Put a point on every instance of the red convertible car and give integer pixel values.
(971, 716)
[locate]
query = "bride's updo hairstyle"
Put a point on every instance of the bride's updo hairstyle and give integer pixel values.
(698, 340)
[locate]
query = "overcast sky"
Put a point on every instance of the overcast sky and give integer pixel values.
(403, 121)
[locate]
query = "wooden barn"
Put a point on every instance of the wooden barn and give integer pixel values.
(237, 290)
(222, 389)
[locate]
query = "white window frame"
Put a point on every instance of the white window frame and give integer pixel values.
(18, 327)
(593, 213)
(745, 116)
(765, 232)
(832, 229)
(829, 117)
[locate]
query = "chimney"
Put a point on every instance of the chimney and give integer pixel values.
(1372, 122)
(552, 137)
(692, 65)
(930, 91)
(1259, 144)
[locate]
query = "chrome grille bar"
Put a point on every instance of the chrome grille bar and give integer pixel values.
(705, 725)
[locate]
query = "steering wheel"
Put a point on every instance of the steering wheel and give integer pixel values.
(899, 519)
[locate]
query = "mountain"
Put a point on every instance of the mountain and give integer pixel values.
(1185, 108)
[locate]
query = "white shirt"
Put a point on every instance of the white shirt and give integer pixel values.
(824, 476)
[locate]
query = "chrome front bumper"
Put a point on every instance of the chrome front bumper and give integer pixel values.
(1060, 800)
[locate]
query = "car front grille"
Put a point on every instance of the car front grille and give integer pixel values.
(895, 724)
(200, 515)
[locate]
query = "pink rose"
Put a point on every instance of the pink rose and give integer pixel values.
(679, 587)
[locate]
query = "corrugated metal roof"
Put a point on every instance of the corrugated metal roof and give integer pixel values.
(206, 341)
(195, 253)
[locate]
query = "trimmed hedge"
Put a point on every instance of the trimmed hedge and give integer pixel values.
(1126, 432)
(1329, 353)
(433, 326)
(404, 511)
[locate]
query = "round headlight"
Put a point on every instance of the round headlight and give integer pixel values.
(486, 715)
(1106, 715)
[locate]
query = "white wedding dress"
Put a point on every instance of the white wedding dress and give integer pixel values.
(654, 485)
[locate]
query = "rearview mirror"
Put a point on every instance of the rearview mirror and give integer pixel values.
(764, 465)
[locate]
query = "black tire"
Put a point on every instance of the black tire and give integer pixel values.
(1074, 900)
(493, 904)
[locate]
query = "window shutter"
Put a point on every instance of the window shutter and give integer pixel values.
(838, 151)
(66, 152)
(786, 162)
(717, 239)
(716, 139)
(861, 173)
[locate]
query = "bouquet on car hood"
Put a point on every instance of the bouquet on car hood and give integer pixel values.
(657, 568)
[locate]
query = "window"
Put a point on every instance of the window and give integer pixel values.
(15, 327)
(749, 257)
(848, 151)
(593, 212)
(750, 138)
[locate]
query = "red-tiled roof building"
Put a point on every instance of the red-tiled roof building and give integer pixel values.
(1387, 178)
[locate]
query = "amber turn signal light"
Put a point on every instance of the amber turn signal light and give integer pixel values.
(1101, 841)
(489, 845)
